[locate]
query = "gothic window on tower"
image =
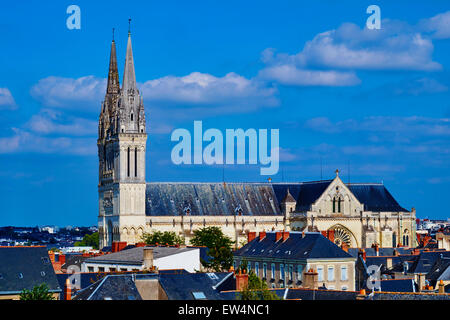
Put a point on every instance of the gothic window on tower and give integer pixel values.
(131, 117)
(135, 162)
(128, 161)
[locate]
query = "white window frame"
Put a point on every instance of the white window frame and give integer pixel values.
(320, 272)
(330, 274)
(344, 275)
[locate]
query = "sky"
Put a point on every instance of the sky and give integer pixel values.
(372, 103)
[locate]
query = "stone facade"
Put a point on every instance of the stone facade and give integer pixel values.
(126, 201)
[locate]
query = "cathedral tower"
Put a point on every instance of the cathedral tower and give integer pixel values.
(121, 145)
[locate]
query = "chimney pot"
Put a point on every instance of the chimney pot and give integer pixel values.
(278, 235)
(68, 290)
(251, 236)
(262, 235)
(148, 258)
(285, 235)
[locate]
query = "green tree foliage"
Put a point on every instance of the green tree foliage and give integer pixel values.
(219, 245)
(37, 293)
(256, 290)
(157, 237)
(89, 240)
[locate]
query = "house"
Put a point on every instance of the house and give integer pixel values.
(161, 286)
(140, 258)
(24, 268)
(297, 259)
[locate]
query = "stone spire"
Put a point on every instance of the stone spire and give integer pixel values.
(113, 74)
(129, 77)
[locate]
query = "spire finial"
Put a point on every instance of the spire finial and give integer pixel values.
(129, 26)
(113, 34)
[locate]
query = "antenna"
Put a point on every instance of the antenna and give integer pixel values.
(129, 26)
(113, 34)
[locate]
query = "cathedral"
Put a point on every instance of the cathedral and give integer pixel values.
(355, 215)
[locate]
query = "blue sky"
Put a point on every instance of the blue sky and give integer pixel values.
(374, 101)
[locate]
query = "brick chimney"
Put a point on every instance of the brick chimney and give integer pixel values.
(278, 235)
(377, 249)
(262, 235)
(441, 287)
(140, 244)
(311, 279)
(285, 235)
(241, 280)
(118, 246)
(62, 259)
(68, 290)
(344, 246)
(148, 258)
(330, 235)
(251, 236)
(324, 233)
(362, 252)
(51, 255)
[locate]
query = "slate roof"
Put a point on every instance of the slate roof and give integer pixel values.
(135, 256)
(313, 245)
(111, 287)
(182, 286)
(408, 296)
(25, 267)
(375, 197)
(309, 294)
(85, 280)
(176, 285)
(426, 261)
(210, 199)
(172, 199)
(371, 252)
(398, 285)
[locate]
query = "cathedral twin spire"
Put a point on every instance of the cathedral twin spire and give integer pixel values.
(123, 109)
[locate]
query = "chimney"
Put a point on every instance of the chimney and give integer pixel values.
(262, 235)
(303, 234)
(140, 244)
(362, 252)
(331, 235)
(344, 246)
(148, 258)
(62, 259)
(324, 233)
(389, 263)
(121, 245)
(241, 281)
(278, 235)
(441, 287)
(51, 255)
(421, 281)
(68, 290)
(285, 235)
(361, 295)
(377, 249)
(395, 253)
(114, 247)
(311, 279)
(251, 236)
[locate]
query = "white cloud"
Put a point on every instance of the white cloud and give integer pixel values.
(54, 122)
(438, 26)
(209, 94)
(397, 46)
(406, 126)
(85, 93)
(6, 99)
(23, 141)
(293, 76)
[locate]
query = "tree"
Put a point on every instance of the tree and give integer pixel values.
(157, 237)
(219, 248)
(89, 240)
(37, 293)
(256, 290)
